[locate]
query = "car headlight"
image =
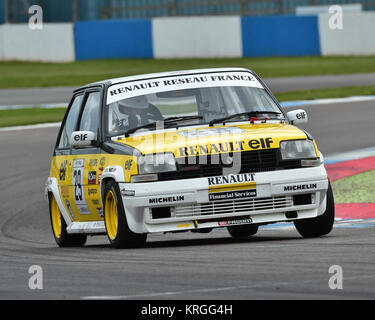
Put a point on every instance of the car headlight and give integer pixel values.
(156, 163)
(297, 149)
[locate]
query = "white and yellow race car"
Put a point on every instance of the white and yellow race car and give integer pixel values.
(183, 151)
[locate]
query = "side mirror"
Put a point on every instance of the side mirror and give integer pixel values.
(82, 138)
(297, 117)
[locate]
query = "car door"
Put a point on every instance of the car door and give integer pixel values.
(62, 160)
(87, 161)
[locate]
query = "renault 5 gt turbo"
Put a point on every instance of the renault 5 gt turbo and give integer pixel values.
(183, 151)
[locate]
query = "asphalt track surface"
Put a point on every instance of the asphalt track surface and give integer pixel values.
(11, 97)
(274, 264)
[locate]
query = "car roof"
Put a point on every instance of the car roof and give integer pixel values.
(159, 75)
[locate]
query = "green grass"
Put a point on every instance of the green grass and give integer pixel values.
(36, 115)
(30, 116)
(325, 93)
(23, 74)
(357, 188)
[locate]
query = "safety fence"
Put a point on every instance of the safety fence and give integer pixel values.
(55, 11)
(179, 37)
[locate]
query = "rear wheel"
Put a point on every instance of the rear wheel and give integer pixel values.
(62, 238)
(118, 232)
(243, 231)
(321, 225)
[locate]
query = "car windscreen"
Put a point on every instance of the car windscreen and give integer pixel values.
(207, 103)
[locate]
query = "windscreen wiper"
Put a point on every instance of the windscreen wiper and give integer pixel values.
(181, 118)
(167, 121)
(249, 114)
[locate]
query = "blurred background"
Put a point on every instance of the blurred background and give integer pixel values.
(13, 11)
(96, 29)
(83, 41)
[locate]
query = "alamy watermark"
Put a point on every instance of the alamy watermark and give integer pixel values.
(336, 281)
(36, 280)
(336, 19)
(36, 18)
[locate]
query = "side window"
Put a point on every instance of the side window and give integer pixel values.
(70, 123)
(90, 116)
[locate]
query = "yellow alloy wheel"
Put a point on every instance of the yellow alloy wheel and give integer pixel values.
(56, 218)
(111, 215)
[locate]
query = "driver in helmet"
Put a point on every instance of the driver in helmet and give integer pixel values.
(137, 111)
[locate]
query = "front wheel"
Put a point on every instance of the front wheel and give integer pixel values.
(62, 238)
(321, 225)
(118, 232)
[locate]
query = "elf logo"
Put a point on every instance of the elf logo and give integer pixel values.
(80, 137)
(301, 115)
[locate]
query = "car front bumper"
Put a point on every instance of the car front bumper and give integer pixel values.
(178, 205)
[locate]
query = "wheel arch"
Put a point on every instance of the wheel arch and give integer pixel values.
(52, 189)
(115, 173)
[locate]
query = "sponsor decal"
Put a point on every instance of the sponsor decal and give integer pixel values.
(127, 192)
(227, 147)
(70, 209)
(92, 177)
(64, 191)
(301, 115)
(300, 187)
(83, 209)
(166, 199)
(80, 137)
(92, 191)
(232, 195)
(141, 87)
(231, 179)
(100, 178)
(234, 222)
(128, 164)
(102, 161)
(232, 187)
(78, 163)
(63, 170)
(95, 202)
(135, 87)
(93, 162)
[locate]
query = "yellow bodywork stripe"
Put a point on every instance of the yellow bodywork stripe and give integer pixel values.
(232, 187)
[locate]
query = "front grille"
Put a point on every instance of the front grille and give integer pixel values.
(234, 206)
(251, 161)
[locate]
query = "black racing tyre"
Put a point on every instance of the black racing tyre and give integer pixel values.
(243, 231)
(118, 232)
(321, 225)
(58, 224)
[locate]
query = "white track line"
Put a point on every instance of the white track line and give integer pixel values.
(291, 104)
(33, 126)
(35, 106)
(350, 155)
